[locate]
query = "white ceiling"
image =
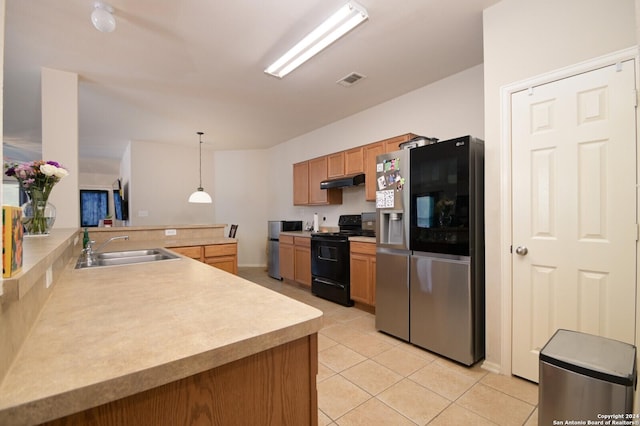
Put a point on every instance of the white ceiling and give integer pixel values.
(172, 68)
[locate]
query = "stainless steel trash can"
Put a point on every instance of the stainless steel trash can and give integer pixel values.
(585, 377)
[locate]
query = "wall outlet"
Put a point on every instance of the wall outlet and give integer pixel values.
(170, 232)
(143, 213)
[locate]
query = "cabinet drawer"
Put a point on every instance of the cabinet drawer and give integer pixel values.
(219, 250)
(364, 248)
(286, 239)
(194, 252)
(303, 241)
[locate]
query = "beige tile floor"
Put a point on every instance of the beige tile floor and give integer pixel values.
(368, 378)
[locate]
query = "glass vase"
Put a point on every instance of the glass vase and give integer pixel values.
(38, 215)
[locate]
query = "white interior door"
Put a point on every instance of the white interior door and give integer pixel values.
(574, 211)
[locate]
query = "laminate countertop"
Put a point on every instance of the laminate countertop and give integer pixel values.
(107, 333)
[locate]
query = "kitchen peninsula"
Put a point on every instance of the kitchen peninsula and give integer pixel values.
(167, 342)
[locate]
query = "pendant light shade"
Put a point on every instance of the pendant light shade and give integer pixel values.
(199, 195)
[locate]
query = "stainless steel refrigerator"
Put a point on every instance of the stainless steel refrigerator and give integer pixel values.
(392, 248)
(446, 237)
(430, 251)
(274, 227)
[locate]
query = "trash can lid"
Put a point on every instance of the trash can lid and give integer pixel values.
(593, 356)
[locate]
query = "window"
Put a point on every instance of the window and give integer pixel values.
(94, 206)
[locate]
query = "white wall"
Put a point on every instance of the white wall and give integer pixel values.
(241, 195)
(448, 108)
(522, 39)
(60, 140)
(162, 178)
(251, 187)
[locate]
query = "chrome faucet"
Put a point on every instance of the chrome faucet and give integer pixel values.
(88, 252)
(120, 237)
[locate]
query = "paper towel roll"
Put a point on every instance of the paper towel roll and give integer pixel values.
(316, 226)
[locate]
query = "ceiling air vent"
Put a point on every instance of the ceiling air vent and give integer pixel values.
(350, 79)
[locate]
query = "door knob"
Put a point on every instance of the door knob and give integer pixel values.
(522, 251)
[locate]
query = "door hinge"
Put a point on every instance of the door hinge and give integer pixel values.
(637, 232)
(511, 249)
(635, 98)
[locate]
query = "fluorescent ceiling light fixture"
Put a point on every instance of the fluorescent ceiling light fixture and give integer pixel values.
(199, 195)
(344, 20)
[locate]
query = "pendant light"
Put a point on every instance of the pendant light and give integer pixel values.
(200, 196)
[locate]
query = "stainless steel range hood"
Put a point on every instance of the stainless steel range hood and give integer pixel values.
(342, 182)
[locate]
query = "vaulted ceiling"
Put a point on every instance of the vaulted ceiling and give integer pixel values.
(172, 68)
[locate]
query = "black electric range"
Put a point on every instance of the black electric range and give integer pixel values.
(330, 271)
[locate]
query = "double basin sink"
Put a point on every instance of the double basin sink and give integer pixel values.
(127, 257)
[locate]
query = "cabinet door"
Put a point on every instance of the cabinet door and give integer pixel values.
(335, 165)
(301, 183)
(370, 153)
(373, 280)
(226, 263)
(360, 277)
(222, 256)
(354, 161)
(393, 144)
(317, 173)
(287, 259)
(303, 265)
(194, 252)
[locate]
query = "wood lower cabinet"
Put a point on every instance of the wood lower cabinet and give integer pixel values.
(287, 258)
(221, 256)
(273, 387)
(302, 247)
(295, 259)
(363, 272)
(194, 252)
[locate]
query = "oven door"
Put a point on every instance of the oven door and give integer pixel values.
(330, 258)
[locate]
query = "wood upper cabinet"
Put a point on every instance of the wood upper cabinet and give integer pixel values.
(301, 183)
(393, 144)
(318, 171)
(354, 161)
(363, 272)
(335, 165)
(307, 175)
(371, 151)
